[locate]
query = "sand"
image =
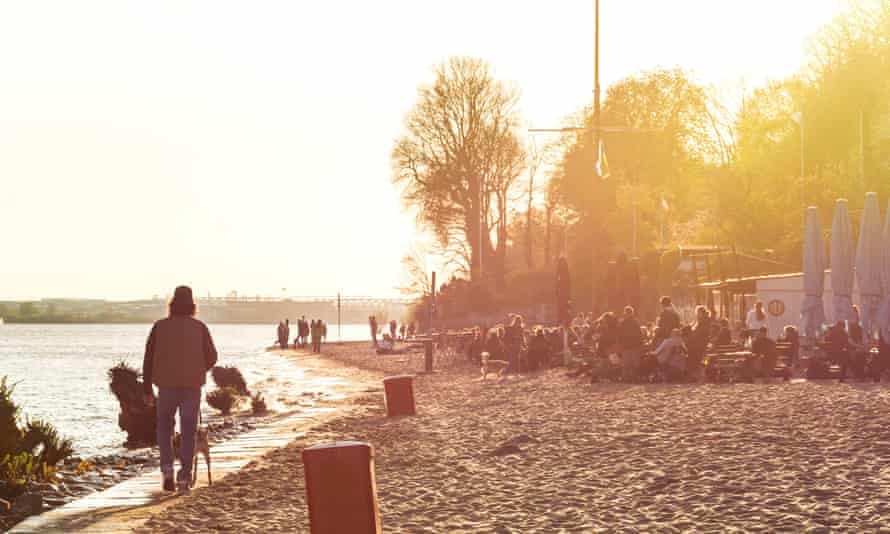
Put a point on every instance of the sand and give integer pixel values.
(549, 453)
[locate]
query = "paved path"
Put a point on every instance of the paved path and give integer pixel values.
(127, 505)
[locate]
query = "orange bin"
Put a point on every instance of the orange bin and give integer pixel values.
(399, 391)
(340, 488)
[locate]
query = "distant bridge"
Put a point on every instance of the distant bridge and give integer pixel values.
(352, 301)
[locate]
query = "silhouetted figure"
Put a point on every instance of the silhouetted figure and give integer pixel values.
(178, 354)
(791, 336)
(764, 350)
(671, 356)
(837, 344)
(755, 320)
(282, 341)
(724, 334)
(668, 320)
(513, 341)
(304, 332)
(372, 322)
(286, 333)
(315, 335)
(538, 350)
(630, 339)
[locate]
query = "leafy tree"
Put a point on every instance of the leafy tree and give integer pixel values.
(458, 159)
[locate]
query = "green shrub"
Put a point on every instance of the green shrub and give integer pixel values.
(223, 399)
(16, 472)
(229, 376)
(136, 418)
(43, 437)
(10, 433)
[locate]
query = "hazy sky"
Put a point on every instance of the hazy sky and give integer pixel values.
(245, 145)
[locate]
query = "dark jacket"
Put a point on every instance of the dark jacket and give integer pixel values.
(629, 335)
(178, 353)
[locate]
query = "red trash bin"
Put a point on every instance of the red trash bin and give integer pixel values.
(341, 492)
(399, 391)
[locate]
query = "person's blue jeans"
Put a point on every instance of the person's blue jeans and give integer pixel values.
(188, 402)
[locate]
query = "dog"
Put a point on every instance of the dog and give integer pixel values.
(489, 365)
(202, 446)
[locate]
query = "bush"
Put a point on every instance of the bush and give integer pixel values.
(229, 376)
(10, 433)
(42, 436)
(223, 399)
(16, 472)
(258, 404)
(136, 418)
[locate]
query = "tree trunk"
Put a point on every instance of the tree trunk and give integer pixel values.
(529, 257)
(547, 233)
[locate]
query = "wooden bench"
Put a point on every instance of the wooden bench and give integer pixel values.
(724, 363)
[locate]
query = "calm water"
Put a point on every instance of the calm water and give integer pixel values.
(60, 371)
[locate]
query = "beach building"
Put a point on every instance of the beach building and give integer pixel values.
(781, 294)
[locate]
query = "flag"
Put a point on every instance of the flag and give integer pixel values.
(602, 163)
(797, 117)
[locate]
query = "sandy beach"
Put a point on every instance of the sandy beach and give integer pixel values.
(549, 453)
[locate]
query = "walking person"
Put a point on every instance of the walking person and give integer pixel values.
(282, 341)
(304, 331)
(315, 335)
(286, 334)
(372, 322)
(178, 354)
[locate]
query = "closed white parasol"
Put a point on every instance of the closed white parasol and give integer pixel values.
(869, 258)
(842, 262)
(812, 314)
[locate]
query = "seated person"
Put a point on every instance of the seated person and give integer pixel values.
(387, 346)
(881, 361)
(724, 334)
(790, 335)
(764, 350)
(671, 356)
(838, 347)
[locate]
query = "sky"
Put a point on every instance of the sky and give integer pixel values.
(245, 145)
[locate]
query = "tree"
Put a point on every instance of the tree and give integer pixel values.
(459, 157)
(414, 264)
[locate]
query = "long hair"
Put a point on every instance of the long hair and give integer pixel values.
(182, 302)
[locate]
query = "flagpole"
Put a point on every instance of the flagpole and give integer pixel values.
(596, 121)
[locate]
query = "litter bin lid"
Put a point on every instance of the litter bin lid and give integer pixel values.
(338, 444)
(398, 378)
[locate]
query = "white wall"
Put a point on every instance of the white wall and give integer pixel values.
(789, 290)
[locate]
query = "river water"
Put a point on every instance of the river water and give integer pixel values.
(59, 372)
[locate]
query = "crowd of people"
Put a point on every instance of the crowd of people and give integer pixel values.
(669, 350)
(388, 339)
(312, 332)
(621, 347)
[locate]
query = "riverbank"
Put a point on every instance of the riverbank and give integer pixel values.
(317, 390)
(549, 453)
